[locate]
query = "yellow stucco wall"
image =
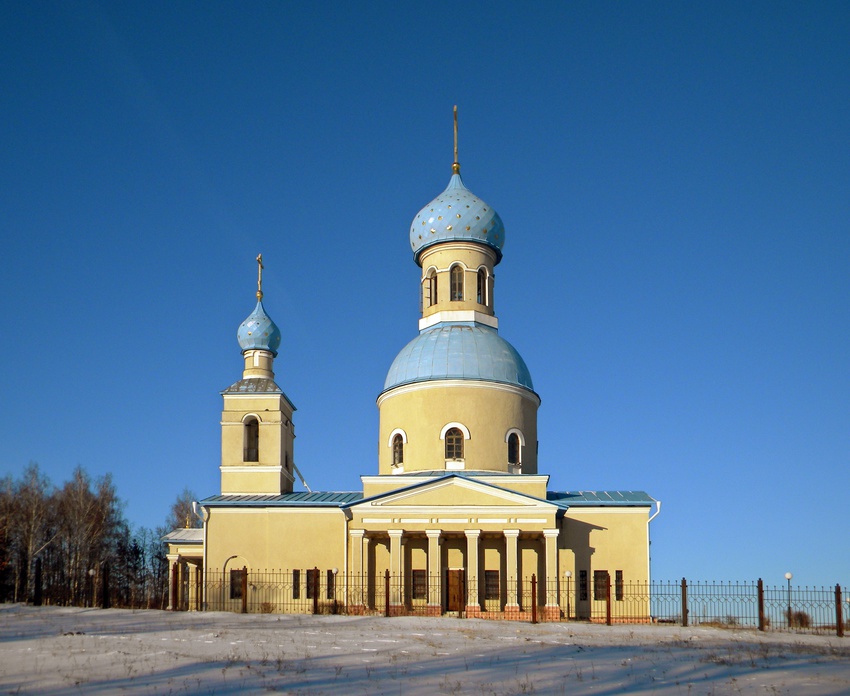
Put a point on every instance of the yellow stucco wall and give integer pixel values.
(276, 444)
(488, 410)
(276, 538)
(471, 257)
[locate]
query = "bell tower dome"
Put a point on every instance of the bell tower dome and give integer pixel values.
(257, 433)
(458, 396)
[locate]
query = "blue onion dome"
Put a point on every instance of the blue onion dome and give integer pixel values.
(259, 332)
(457, 214)
(459, 350)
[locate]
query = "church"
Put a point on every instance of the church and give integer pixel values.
(457, 518)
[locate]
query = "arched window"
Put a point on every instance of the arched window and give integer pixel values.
(482, 287)
(398, 450)
(429, 289)
(456, 274)
(252, 441)
(513, 449)
(454, 444)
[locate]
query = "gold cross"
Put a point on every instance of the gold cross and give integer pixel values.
(260, 277)
(456, 164)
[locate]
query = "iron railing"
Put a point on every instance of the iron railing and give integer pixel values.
(317, 591)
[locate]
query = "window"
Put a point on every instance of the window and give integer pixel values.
(296, 584)
(482, 287)
(456, 275)
(429, 289)
(513, 449)
(618, 585)
(454, 444)
(312, 583)
(331, 584)
(252, 441)
(398, 450)
(601, 582)
(236, 576)
(582, 585)
(491, 584)
(419, 585)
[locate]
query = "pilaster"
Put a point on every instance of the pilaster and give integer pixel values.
(550, 589)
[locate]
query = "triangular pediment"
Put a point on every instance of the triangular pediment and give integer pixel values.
(452, 492)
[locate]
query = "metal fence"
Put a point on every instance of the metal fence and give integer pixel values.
(315, 591)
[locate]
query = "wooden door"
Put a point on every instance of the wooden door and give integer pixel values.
(454, 590)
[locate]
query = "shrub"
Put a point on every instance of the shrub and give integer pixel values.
(799, 619)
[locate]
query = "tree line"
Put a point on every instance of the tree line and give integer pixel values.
(71, 542)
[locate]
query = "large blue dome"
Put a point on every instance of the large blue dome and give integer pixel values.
(259, 332)
(459, 350)
(457, 214)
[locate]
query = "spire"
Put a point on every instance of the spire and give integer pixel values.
(455, 163)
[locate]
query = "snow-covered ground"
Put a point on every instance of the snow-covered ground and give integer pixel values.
(52, 650)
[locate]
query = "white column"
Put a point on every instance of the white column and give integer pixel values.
(435, 572)
(396, 566)
(193, 586)
(367, 580)
(511, 537)
(172, 559)
(472, 580)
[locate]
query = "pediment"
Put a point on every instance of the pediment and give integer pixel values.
(452, 492)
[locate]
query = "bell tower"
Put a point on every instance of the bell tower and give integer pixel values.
(257, 433)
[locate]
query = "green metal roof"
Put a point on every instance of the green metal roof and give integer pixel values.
(297, 499)
(600, 498)
(563, 499)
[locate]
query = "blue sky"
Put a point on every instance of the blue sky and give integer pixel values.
(673, 178)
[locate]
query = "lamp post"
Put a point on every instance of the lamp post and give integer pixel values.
(788, 577)
(567, 575)
(91, 587)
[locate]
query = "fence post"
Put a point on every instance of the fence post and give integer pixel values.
(761, 604)
(244, 589)
(608, 603)
(684, 602)
(315, 590)
(533, 598)
(839, 617)
(387, 592)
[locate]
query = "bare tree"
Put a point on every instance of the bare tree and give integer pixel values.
(7, 511)
(31, 510)
(182, 512)
(90, 525)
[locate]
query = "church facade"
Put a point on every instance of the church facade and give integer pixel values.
(458, 516)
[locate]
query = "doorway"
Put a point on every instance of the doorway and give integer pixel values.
(454, 590)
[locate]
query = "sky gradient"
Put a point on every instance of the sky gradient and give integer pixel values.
(674, 179)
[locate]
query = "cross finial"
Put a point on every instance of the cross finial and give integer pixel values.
(259, 277)
(455, 163)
